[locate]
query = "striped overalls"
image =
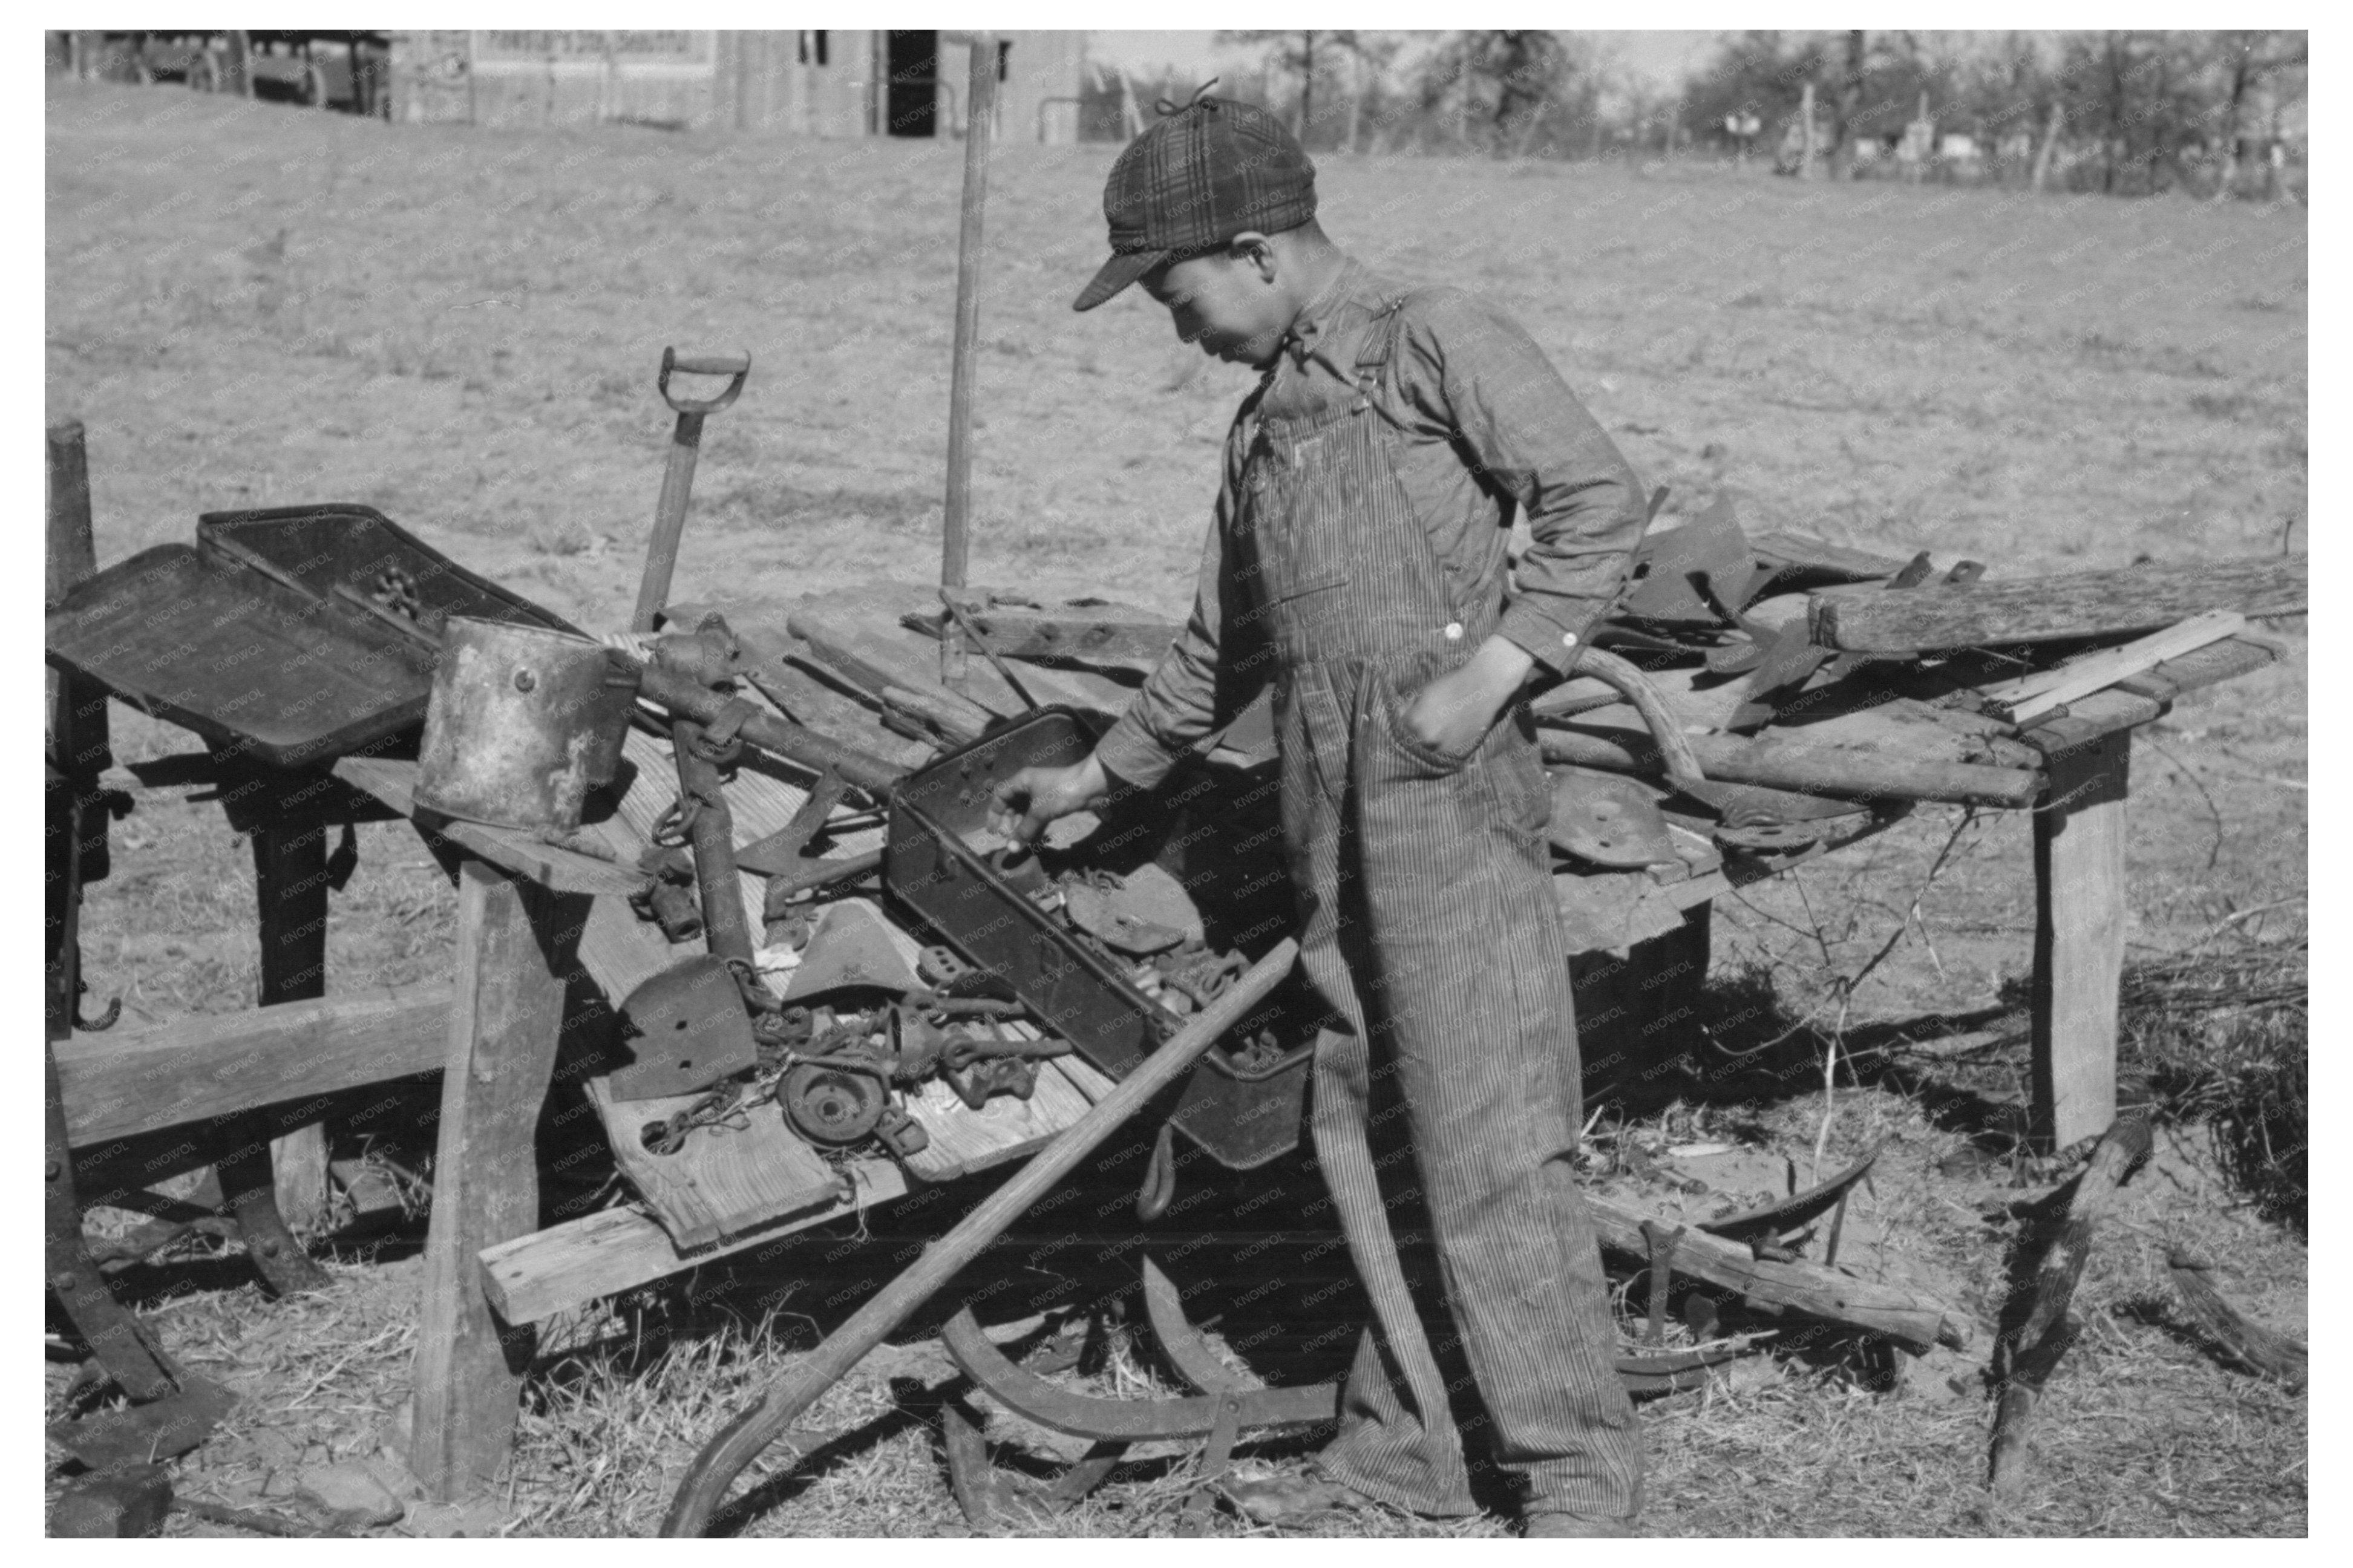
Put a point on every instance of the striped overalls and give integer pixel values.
(1428, 926)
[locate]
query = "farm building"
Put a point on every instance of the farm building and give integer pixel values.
(812, 82)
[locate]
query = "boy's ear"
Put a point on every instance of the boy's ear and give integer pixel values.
(1254, 250)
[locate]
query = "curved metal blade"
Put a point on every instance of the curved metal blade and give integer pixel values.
(1124, 1420)
(1188, 1351)
(1794, 1211)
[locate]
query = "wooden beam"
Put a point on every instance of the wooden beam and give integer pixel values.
(515, 942)
(2078, 940)
(290, 879)
(1844, 772)
(524, 854)
(129, 1082)
(2029, 696)
(567, 1265)
(2052, 609)
(1912, 1317)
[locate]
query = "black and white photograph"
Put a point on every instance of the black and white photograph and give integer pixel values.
(1017, 784)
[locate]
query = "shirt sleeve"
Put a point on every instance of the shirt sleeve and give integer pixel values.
(1201, 683)
(1468, 364)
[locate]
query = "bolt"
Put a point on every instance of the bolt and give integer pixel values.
(52, 1170)
(525, 681)
(268, 1246)
(64, 1280)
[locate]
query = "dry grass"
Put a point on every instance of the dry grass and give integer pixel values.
(251, 307)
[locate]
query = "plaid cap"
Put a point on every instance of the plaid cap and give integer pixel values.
(1192, 182)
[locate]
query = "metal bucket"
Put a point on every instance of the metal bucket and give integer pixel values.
(518, 720)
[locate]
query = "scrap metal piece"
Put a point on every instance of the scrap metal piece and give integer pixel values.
(1188, 1351)
(1610, 820)
(851, 944)
(832, 1104)
(1144, 912)
(688, 1029)
(163, 1429)
(1125, 1420)
(1777, 1219)
(1711, 545)
(1662, 1260)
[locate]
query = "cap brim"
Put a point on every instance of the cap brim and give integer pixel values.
(1115, 274)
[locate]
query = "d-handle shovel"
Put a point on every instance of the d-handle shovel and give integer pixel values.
(678, 478)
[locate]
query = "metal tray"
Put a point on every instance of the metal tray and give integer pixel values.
(246, 640)
(1240, 1116)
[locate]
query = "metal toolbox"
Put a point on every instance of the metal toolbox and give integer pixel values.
(1242, 1114)
(276, 634)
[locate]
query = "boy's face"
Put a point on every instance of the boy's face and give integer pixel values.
(1226, 301)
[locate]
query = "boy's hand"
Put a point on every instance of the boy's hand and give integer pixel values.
(1033, 797)
(1452, 712)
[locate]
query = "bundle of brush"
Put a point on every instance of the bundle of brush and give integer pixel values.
(2221, 1034)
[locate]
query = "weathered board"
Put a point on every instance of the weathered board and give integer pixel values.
(555, 869)
(570, 1265)
(2055, 606)
(131, 1081)
(964, 1140)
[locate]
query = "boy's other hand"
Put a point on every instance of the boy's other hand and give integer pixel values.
(1452, 714)
(1027, 802)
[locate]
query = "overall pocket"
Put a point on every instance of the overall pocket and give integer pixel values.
(1388, 706)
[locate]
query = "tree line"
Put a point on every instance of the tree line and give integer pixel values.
(2124, 112)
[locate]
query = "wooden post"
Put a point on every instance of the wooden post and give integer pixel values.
(1805, 108)
(78, 739)
(2079, 939)
(2049, 141)
(506, 1015)
(980, 116)
(240, 63)
(289, 879)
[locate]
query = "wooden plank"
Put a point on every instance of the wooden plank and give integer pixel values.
(858, 629)
(523, 854)
(964, 1140)
(1845, 773)
(1912, 1317)
(2054, 607)
(506, 1015)
(723, 1181)
(2078, 940)
(128, 1082)
(2029, 696)
(289, 879)
(1089, 632)
(567, 1265)
(2088, 719)
(2208, 665)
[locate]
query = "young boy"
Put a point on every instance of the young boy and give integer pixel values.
(1357, 562)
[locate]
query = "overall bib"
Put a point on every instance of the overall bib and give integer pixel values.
(1428, 923)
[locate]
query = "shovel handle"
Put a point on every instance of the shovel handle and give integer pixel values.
(737, 366)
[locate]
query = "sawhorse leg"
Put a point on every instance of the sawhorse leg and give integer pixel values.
(2079, 939)
(289, 876)
(515, 945)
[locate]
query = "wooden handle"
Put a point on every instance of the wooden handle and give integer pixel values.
(1674, 746)
(740, 1440)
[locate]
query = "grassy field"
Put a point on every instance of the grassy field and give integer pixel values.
(251, 306)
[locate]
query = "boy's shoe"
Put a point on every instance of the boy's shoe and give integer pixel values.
(1551, 1525)
(1290, 1498)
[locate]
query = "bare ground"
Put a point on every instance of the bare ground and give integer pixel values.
(251, 306)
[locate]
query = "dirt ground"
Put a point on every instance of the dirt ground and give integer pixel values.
(251, 306)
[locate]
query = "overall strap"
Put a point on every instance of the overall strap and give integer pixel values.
(1379, 346)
